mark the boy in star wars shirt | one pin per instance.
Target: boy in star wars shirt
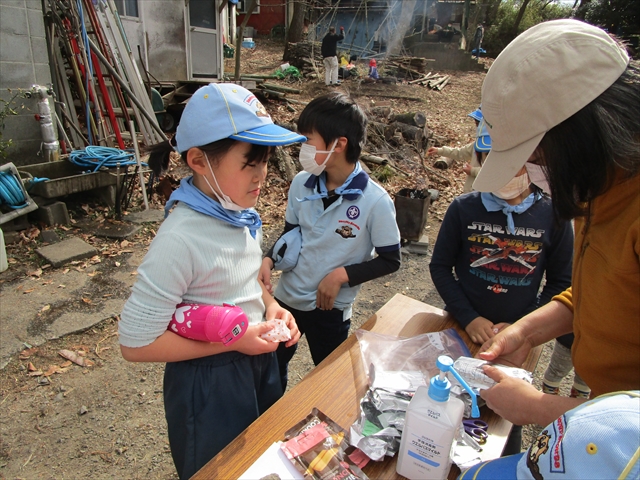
(344, 220)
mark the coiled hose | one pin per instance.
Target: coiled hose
(95, 157)
(11, 193)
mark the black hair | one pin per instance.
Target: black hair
(159, 153)
(336, 115)
(587, 153)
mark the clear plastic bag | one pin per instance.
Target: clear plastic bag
(396, 367)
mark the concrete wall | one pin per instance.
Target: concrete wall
(165, 45)
(24, 62)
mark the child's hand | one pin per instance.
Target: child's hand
(480, 330)
(432, 151)
(467, 168)
(274, 310)
(264, 275)
(252, 344)
(329, 288)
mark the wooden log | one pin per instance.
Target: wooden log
(443, 163)
(383, 112)
(280, 88)
(417, 119)
(410, 133)
(443, 84)
(373, 159)
(377, 128)
(273, 94)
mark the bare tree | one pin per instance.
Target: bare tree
(516, 24)
(296, 28)
(251, 7)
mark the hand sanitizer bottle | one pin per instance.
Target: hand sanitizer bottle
(430, 425)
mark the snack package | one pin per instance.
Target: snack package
(319, 449)
(280, 333)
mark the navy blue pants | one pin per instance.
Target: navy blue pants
(209, 401)
(325, 330)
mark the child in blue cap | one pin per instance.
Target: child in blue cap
(492, 253)
(208, 252)
(343, 220)
(468, 154)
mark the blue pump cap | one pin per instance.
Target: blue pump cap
(439, 386)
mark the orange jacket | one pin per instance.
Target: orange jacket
(605, 293)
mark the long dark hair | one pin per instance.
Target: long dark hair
(159, 154)
(586, 153)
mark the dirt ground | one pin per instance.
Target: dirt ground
(59, 420)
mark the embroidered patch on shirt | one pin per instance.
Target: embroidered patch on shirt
(345, 232)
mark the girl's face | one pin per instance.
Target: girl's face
(237, 178)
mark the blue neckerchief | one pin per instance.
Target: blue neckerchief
(494, 204)
(357, 179)
(198, 201)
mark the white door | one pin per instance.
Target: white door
(205, 47)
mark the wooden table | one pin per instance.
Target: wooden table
(336, 387)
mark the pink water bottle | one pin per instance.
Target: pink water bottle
(209, 323)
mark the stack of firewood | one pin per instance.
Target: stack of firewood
(435, 81)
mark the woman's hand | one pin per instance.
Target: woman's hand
(467, 168)
(274, 311)
(480, 330)
(509, 347)
(432, 151)
(511, 398)
(521, 403)
(264, 275)
(329, 288)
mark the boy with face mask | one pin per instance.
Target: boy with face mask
(492, 252)
(337, 219)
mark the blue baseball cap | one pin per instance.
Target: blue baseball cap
(483, 140)
(476, 115)
(598, 439)
(226, 110)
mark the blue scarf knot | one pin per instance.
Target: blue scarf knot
(341, 190)
(494, 204)
(198, 201)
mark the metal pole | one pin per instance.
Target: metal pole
(140, 175)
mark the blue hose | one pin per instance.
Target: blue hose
(93, 157)
(11, 193)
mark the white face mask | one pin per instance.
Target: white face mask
(538, 176)
(308, 158)
(514, 188)
(224, 200)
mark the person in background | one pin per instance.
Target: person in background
(583, 129)
(329, 50)
(337, 219)
(471, 154)
(207, 251)
(373, 70)
(477, 39)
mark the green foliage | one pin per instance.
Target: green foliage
(291, 72)
(620, 17)
(7, 109)
(498, 35)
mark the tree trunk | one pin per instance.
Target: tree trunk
(516, 24)
(252, 6)
(296, 28)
